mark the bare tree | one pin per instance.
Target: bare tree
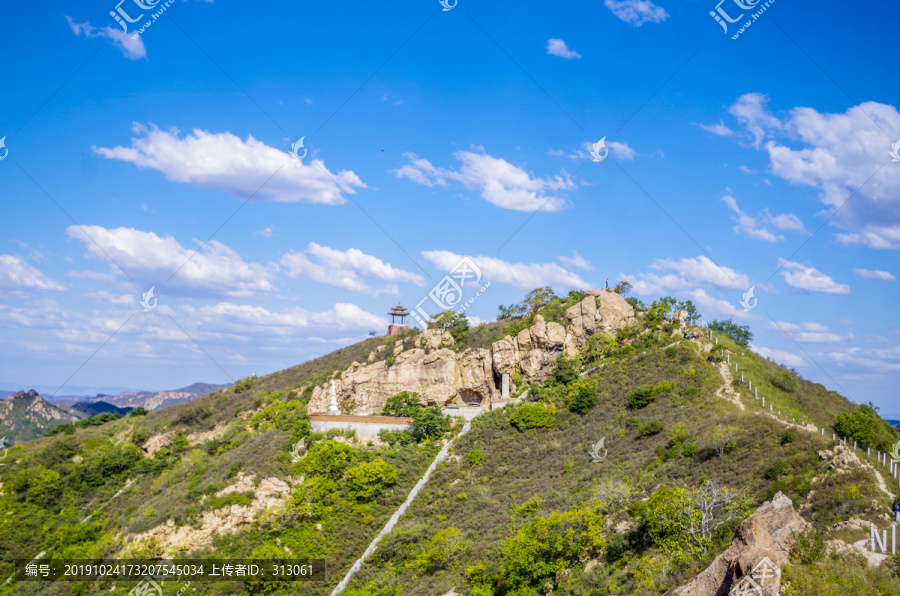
(721, 438)
(703, 510)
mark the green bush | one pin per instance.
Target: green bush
(243, 384)
(740, 334)
(37, 485)
(429, 423)
(548, 544)
(139, 411)
(475, 457)
(690, 450)
(787, 437)
(567, 369)
(778, 469)
(328, 458)
(663, 387)
(366, 481)
(193, 414)
(785, 381)
(533, 416)
(640, 398)
(530, 506)
(583, 396)
(632, 422)
(653, 427)
(443, 551)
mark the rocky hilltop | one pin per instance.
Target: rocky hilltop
(443, 376)
(26, 415)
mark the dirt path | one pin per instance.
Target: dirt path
(726, 391)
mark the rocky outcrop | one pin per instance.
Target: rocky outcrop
(443, 376)
(270, 495)
(26, 415)
(767, 533)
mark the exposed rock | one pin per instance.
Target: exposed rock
(858, 548)
(443, 376)
(766, 533)
(204, 436)
(680, 317)
(156, 443)
(271, 494)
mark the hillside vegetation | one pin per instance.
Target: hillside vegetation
(519, 507)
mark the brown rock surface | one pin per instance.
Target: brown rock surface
(766, 533)
(443, 376)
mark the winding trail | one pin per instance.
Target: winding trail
(726, 391)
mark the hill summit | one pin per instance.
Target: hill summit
(636, 453)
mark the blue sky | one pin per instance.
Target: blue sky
(433, 135)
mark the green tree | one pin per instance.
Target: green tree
(404, 403)
(442, 551)
(683, 521)
(693, 314)
(659, 310)
(456, 324)
(865, 426)
(622, 288)
(429, 423)
(549, 544)
(366, 481)
(138, 411)
(740, 334)
(537, 298)
(510, 312)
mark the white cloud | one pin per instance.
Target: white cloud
(216, 269)
(576, 261)
(345, 269)
(717, 129)
(746, 170)
(132, 48)
(779, 356)
(807, 277)
(500, 182)
(245, 320)
(689, 275)
(838, 154)
(241, 168)
(808, 332)
(754, 227)
(875, 274)
(620, 150)
(17, 275)
(519, 275)
(117, 299)
(751, 110)
(265, 233)
(637, 12)
(557, 47)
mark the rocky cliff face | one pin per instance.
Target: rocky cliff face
(442, 376)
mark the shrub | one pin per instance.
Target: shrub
(809, 547)
(404, 403)
(785, 381)
(653, 427)
(328, 458)
(533, 416)
(663, 387)
(193, 414)
(583, 396)
(140, 436)
(671, 352)
(243, 384)
(475, 457)
(366, 481)
(640, 398)
(547, 544)
(678, 434)
(443, 551)
(139, 411)
(37, 485)
(567, 369)
(787, 437)
(530, 506)
(776, 470)
(690, 449)
(632, 422)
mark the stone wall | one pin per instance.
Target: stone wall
(442, 376)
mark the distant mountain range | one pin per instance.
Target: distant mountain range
(26, 415)
(894, 423)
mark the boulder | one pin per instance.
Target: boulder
(767, 533)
